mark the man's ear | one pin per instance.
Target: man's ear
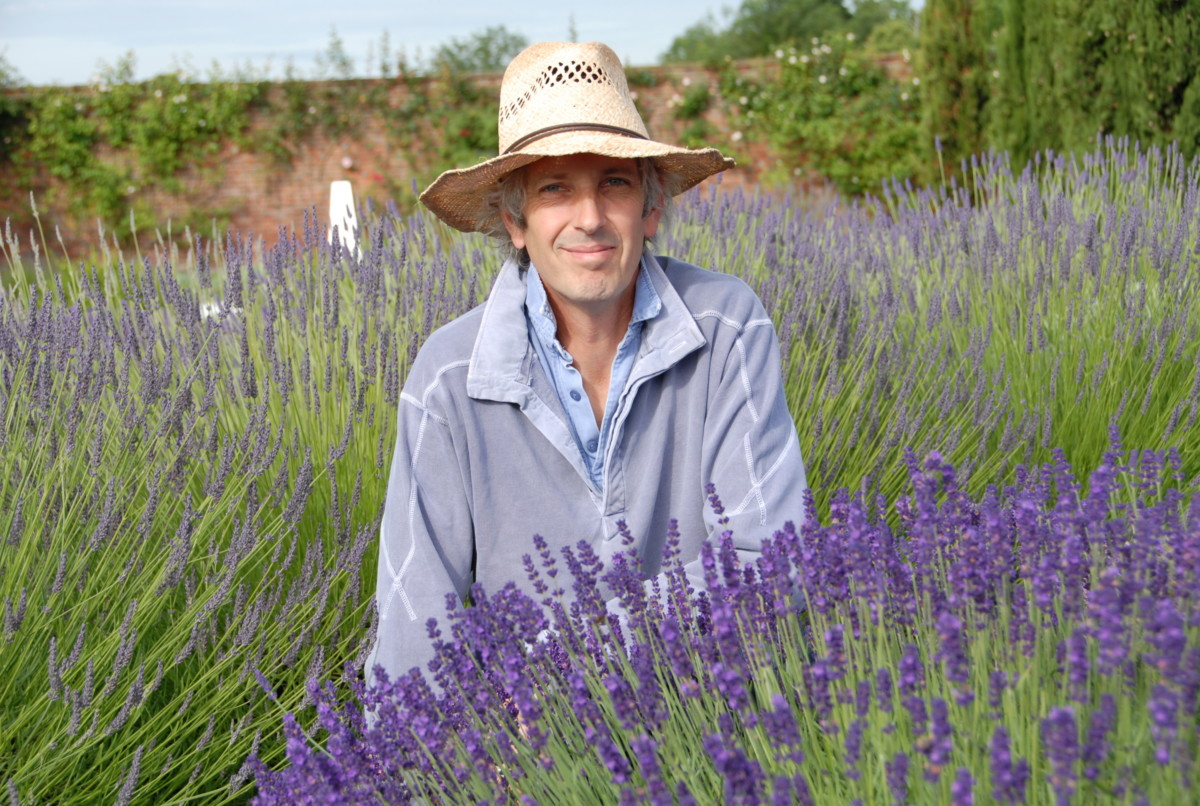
(651, 220)
(515, 232)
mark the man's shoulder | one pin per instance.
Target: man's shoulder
(457, 335)
(708, 293)
(446, 349)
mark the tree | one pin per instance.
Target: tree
(13, 108)
(9, 76)
(884, 26)
(757, 28)
(486, 51)
(702, 42)
(761, 25)
(1071, 71)
(866, 16)
(954, 66)
(335, 62)
(1038, 62)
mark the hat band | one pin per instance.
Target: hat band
(571, 127)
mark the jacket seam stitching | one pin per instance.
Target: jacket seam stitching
(755, 492)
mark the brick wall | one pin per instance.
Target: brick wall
(260, 194)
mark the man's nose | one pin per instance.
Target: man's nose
(589, 215)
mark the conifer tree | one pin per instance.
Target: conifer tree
(1071, 71)
(954, 68)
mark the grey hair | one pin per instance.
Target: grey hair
(508, 197)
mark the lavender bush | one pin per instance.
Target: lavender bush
(193, 447)
(1037, 645)
(192, 472)
(988, 325)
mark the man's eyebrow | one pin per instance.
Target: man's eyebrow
(559, 175)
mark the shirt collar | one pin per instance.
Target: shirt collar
(502, 358)
(646, 304)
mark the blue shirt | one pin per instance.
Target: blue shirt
(566, 380)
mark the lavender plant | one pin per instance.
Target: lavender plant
(1035, 645)
(191, 469)
(193, 446)
(989, 325)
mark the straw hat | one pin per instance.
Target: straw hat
(560, 98)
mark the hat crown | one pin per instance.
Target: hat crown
(553, 85)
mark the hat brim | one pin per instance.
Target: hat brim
(459, 196)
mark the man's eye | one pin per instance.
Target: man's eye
(618, 181)
(550, 188)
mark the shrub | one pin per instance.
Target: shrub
(833, 111)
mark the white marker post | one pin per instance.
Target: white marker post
(343, 214)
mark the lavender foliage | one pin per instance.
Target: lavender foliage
(208, 433)
(541, 715)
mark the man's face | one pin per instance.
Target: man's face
(584, 228)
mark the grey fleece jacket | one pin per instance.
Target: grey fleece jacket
(485, 459)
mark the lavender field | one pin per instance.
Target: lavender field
(996, 392)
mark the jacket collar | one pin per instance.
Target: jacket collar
(503, 360)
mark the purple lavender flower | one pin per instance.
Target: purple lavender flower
(1009, 779)
(954, 657)
(997, 683)
(897, 777)
(1021, 629)
(623, 700)
(1164, 710)
(1047, 587)
(917, 710)
(781, 791)
(883, 689)
(779, 722)
(835, 641)
(1107, 613)
(1165, 633)
(862, 699)
(678, 655)
(614, 760)
(854, 736)
(818, 677)
(1096, 751)
(743, 777)
(716, 649)
(962, 790)
(1078, 665)
(940, 742)
(1060, 735)
(730, 683)
(645, 750)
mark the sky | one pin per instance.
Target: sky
(63, 41)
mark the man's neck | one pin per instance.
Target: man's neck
(592, 336)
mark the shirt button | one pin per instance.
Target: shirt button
(574, 395)
(592, 446)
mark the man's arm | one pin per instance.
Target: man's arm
(751, 454)
(751, 451)
(426, 540)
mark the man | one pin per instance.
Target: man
(598, 385)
